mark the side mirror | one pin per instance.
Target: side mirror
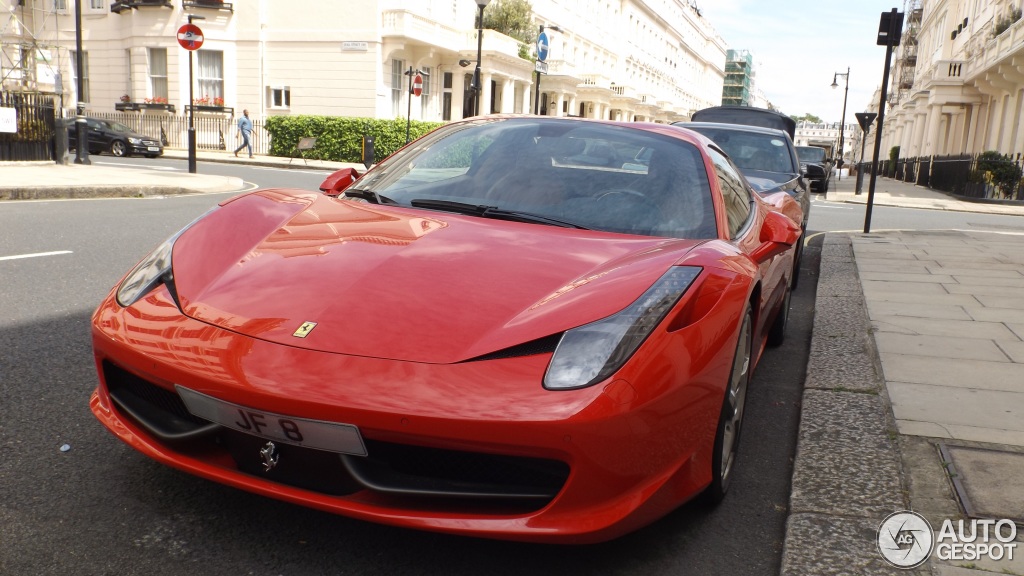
(778, 233)
(338, 181)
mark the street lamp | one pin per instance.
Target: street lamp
(536, 96)
(191, 108)
(842, 127)
(479, 55)
(81, 134)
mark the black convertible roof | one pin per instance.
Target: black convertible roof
(747, 115)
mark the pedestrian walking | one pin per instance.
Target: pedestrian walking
(245, 131)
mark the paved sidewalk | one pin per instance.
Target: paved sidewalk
(889, 192)
(46, 180)
(914, 398)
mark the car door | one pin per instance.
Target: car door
(99, 135)
(744, 223)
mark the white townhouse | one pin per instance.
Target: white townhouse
(634, 60)
(958, 81)
(826, 135)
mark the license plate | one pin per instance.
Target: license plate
(329, 436)
(154, 148)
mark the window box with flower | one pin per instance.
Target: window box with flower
(213, 104)
(157, 103)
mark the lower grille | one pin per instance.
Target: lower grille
(160, 410)
(397, 475)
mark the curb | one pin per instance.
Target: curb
(78, 192)
(847, 473)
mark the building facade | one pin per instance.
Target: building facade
(826, 135)
(958, 81)
(633, 60)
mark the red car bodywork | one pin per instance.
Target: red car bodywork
(411, 306)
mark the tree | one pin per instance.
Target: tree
(808, 117)
(512, 18)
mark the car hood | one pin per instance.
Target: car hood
(403, 283)
(767, 182)
(136, 135)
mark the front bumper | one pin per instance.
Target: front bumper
(569, 466)
(147, 147)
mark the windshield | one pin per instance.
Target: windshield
(582, 174)
(118, 127)
(757, 151)
(810, 154)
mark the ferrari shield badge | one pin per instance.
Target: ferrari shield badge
(304, 330)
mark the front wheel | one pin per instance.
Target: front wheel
(730, 421)
(777, 333)
(118, 148)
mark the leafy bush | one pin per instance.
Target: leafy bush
(894, 154)
(1001, 171)
(1003, 24)
(341, 138)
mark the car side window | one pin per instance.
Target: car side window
(734, 192)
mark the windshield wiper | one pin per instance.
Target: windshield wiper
(517, 216)
(368, 195)
(486, 211)
(451, 206)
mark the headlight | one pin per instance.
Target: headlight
(591, 353)
(135, 141)
(152, 271)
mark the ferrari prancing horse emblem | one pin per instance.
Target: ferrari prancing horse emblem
(304, 330)
(269, 455)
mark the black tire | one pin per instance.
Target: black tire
(777, 333)
(798, 258)
(119, 148)
(730, 420)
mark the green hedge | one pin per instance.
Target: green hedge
(341, 139)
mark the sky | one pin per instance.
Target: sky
(797, 46)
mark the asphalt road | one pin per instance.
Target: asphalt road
(842, 217)
(100, 508)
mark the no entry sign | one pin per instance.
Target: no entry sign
(417, 85)
(190, 37)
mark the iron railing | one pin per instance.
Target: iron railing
(973, 176)
(34, 114)
(212, 132)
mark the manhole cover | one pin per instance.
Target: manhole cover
(989, 483)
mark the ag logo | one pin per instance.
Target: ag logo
(905, 539)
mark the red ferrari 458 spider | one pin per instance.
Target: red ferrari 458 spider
(525, 328)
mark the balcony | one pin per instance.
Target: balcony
(1009, 43)
(560, 68)
(120, 5)
(413, 27)
(210, 4)
(950, 71)
(596, 81)
(623, 92)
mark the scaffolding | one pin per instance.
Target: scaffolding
(739, 77)
(906, 62)
(29, 53)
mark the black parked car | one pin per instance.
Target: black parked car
(116, 138)
(817, 165)
(760, 143)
